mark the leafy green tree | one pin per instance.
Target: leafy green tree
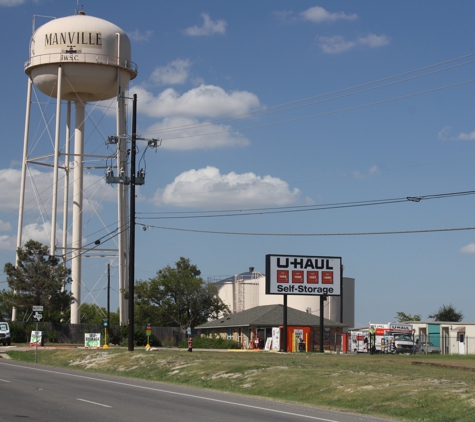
(92, 313)
(403, 317)
(178, 296)
(447, 313)
(37, 279)
(5, 311)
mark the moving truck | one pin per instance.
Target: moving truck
(384, 338)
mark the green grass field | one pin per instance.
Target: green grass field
(439, 388)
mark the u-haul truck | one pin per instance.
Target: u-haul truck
(360, 341)
(384, 338)
(392, 338)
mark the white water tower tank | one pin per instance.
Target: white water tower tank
(93, 54)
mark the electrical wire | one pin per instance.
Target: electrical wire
(285, 106)
(328, 113)
(303, 208)
(310, 234)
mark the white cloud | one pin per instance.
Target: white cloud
(374, 41)
(10, 192)
(318, 14)
(138, 36)
(7, 243)
(38, 190)
(39, 232)
(175, 72)
(5, 226)
(371, 171)
(208, 188)
(469, 249)
(335, 45)
(466, 136)
(203, 101)
(182, 133)
(444, 135)
(11, 3)
(338, 44)
(209, 27)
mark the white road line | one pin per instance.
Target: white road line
(172, 392)
(93, 402)
(4, 380)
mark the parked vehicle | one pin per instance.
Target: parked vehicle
(360, 341)
(384, 338)
(392, 338)
(431, 347)
(5, 337)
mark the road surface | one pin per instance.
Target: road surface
(40, 393)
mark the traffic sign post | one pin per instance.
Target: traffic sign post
(148, 333)
(37, 316)
(105, 324)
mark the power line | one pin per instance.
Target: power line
(273, 109)
(328, 113)
(301, 208)
(312, 234)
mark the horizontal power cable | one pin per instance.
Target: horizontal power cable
(279, 108)
(310, 234)
(301, 208)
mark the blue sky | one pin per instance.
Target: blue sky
(271, 104)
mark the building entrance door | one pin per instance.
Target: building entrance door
(461, 341)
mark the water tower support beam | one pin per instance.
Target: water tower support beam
(23, 176)
(122, 202)
(54, 209)
(66, 187)
(77, 211)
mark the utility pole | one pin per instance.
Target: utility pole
(132, 228)
(136, 178)
(108, 292)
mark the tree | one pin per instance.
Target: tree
(5, 311)
(93, 314)
(38, 279)
(447, 313)
(403, 317)
(177, 296)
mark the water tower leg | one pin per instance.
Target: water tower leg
(54, 210)
(122, 210)
(66, 188)
(77, 212)
(23, 176)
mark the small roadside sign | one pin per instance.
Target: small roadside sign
(37, 313)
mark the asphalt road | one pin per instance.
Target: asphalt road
(39, 393)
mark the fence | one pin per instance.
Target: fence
(74, 333)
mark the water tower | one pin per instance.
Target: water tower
(76, 60)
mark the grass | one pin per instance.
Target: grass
(379, 385)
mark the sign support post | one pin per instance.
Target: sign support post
(37, 316)
(285, 324)
(322, 328)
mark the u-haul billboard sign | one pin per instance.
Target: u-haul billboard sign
(303, 275)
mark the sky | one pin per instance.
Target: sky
(297, 128)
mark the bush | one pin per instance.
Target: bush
(20, 332)
(211, 343)
(140, 338)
